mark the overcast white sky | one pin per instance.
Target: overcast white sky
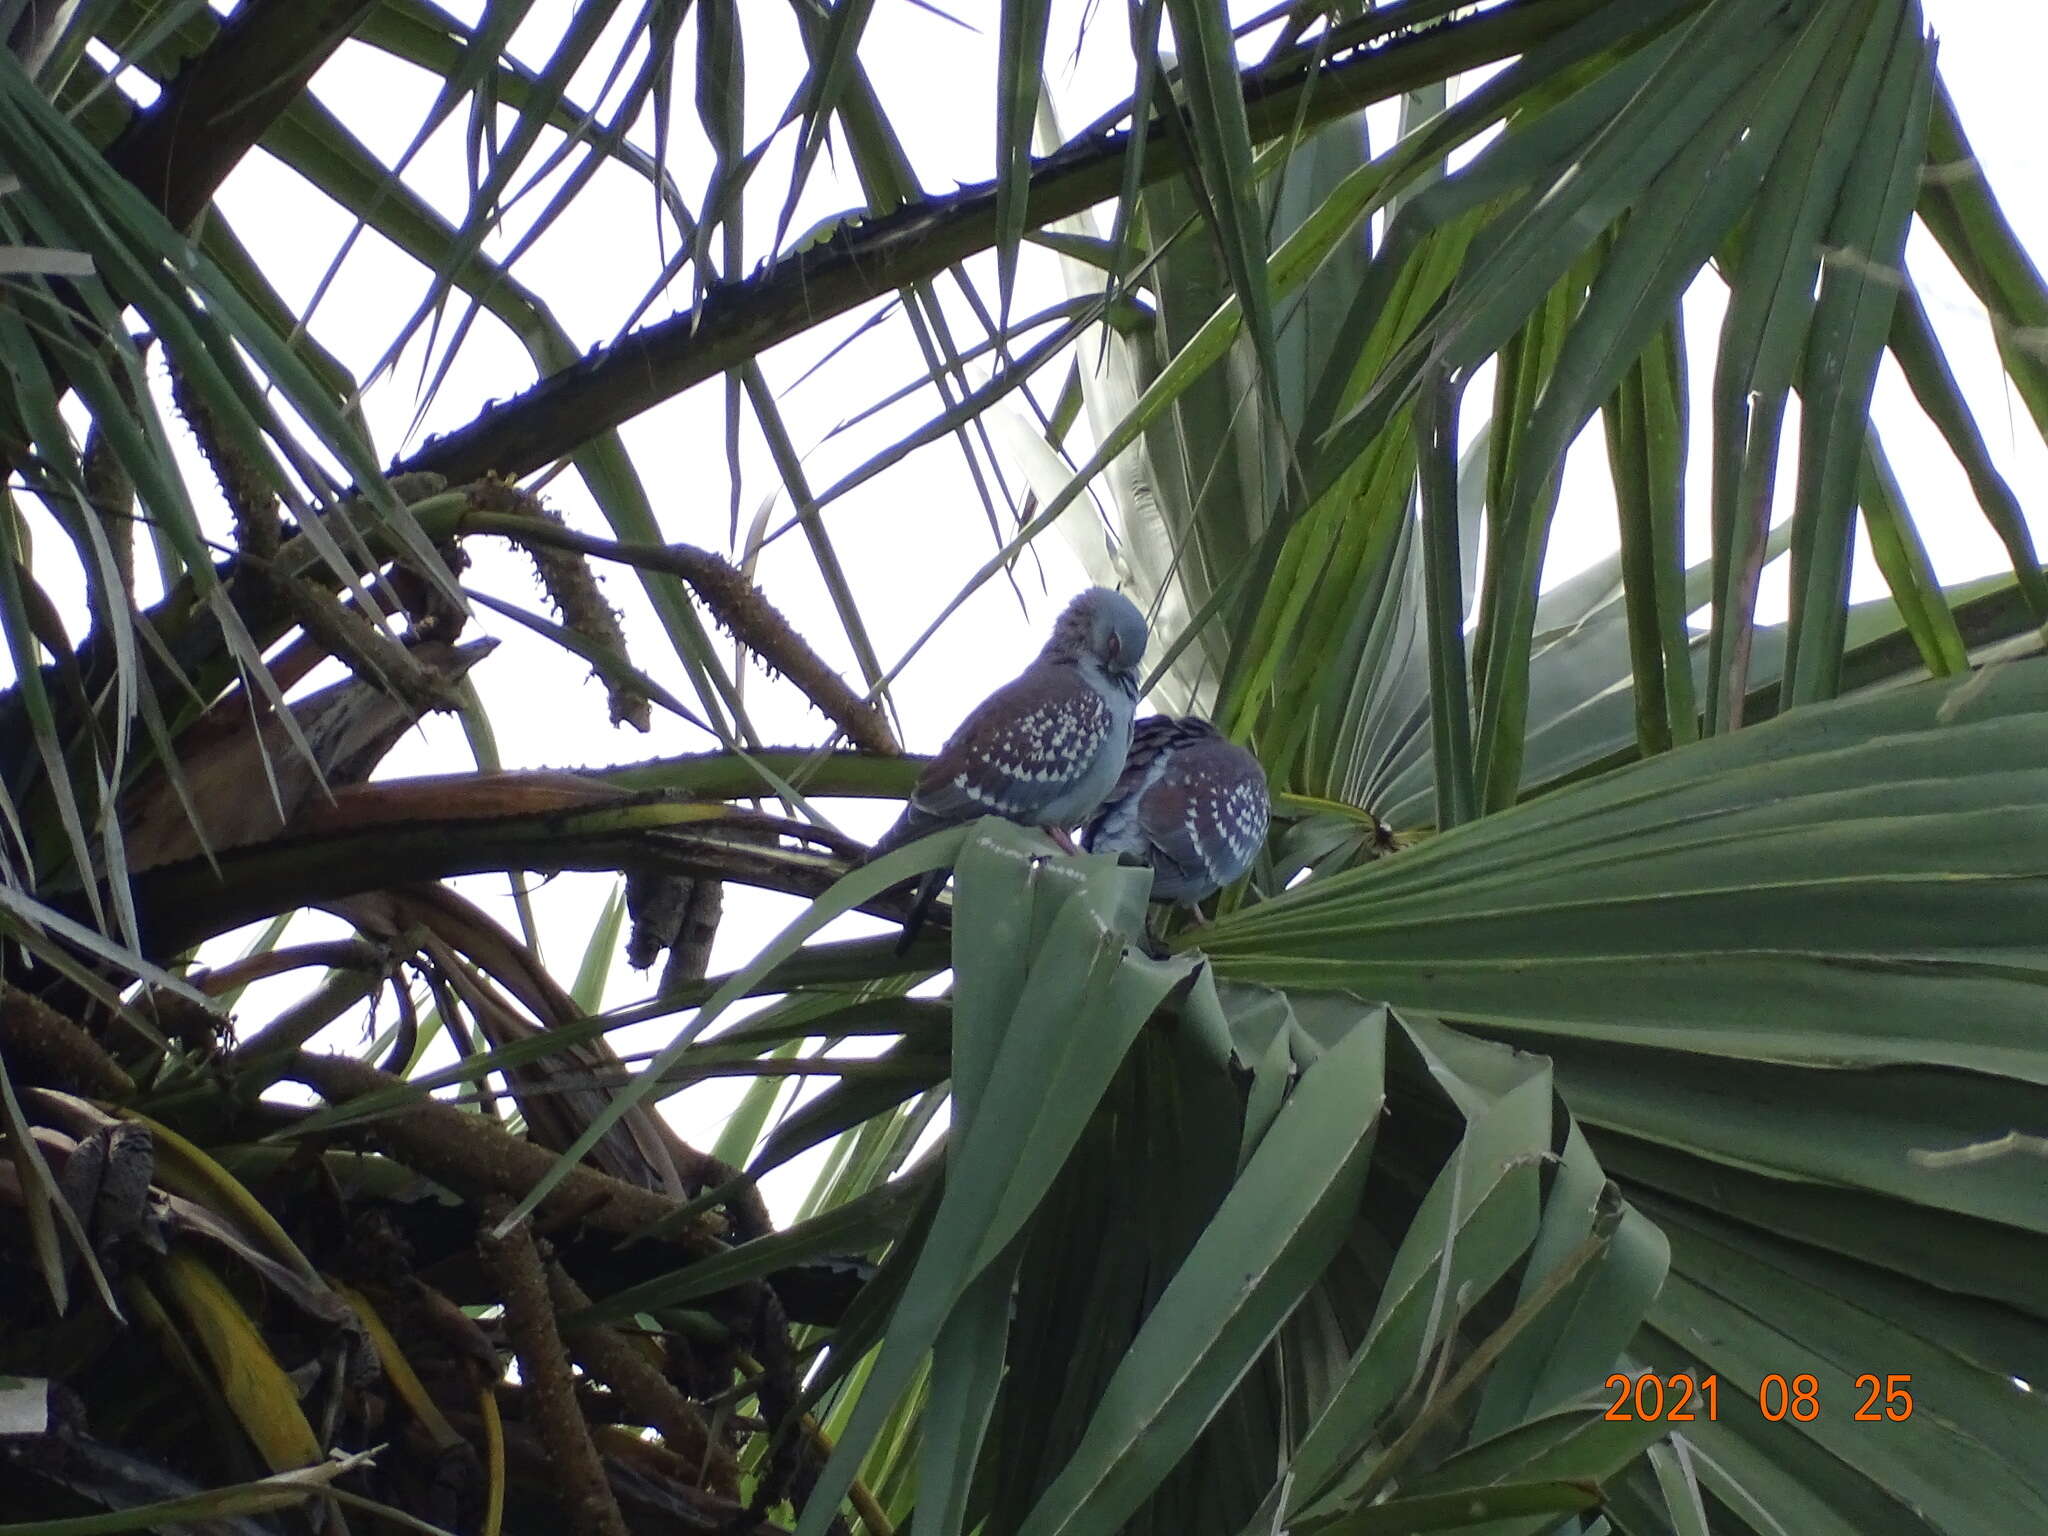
(919, 528)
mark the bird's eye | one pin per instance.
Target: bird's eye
(1114, 648)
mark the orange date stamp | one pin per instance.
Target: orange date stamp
(1684, 1399)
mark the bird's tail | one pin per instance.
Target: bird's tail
(928, 889)
(909, 827)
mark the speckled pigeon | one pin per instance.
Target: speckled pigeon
(1189, 803)
(1044, 748)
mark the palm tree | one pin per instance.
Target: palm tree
(1612, 1102)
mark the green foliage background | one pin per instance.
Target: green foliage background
(1629, 986)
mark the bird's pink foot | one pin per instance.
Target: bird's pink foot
(1064, 839)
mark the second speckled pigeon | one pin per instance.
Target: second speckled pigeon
(1189, 803)
(1044, 748)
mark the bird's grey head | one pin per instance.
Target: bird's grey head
(1103, 625)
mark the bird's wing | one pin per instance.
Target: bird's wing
(1019, 750)
(1208, 811)
(1149, 737)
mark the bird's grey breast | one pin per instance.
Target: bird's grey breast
(1119, 826)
